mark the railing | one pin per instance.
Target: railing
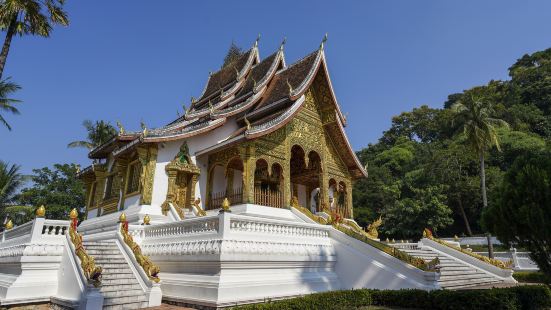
(21, 230)
(188, 227)
(521, 260)
(235, 196)
(87, 263)
(55, 227)
(267, 197)
(405, 246)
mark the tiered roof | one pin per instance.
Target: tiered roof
(261, 95)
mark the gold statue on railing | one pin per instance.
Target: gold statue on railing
(91, 271)
(151, 270)
(372, 228)
(198, 209)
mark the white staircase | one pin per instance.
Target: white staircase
(454, 274)
(120, 288)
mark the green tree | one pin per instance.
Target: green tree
(97, 134)
(474, 111)
(28, 17)
(522, 213)
(58, 189)
(234, 52)
(10, 181)
(7, 88)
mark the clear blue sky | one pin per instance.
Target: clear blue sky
(133, 60)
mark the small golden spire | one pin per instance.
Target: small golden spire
(247, 122)
(121, 129)
(146, 219)
(41, 211)
(9, 225)
(226, 204)
(211, 108)
(122, 218)
(290, 87)
(323, 41)
(144, 128)
(193, 100)
(74, 214)
(283, 43)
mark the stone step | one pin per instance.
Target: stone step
(122, 293)
(132, 305)
(100, 260)
(132, 297)
(467, 283)
(472, 276)
(101, 247)
(112, 265)
(112, 276)
(102, 252)
(465, 270)
(110, 270)
(119, 287)
(109, 280)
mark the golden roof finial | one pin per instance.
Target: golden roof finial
(74, 214)
(41, 211)
(290, 87)
(121, 129)
(211, 108)
(122, 217)
(193, 100)
(146, 219)
(247, 122)
(323, 41)
(144, 128)
(9, 225)
(283, 43)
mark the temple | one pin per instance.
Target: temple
(262, 132)
(245, 198)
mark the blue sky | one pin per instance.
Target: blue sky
(133, 60)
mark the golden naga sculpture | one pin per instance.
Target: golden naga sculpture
(372, 228)
(295, 204)
(198, 209)
(91, 271)
(9, 225)
(151, 270)
(41, 211)
(427, 233)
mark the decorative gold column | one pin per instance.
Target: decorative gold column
(171, 191)
(119, 181)
(229, 181)
(324, 187)
(287, 190)
(148, 159)
(249, 164)
(101, 176)
(349, 198)
(191, 196)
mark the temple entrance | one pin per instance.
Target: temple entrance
(226, 182)
(268, 190)
(305, 178)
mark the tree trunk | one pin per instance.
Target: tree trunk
(7, 43)
(483, 181)
(490, 246)
(464, 215)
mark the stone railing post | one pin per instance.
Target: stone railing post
(516, 263)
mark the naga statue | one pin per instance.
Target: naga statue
(372, 228)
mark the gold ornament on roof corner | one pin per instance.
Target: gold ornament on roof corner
(9, 225)
(290, 86)
(122, 218)
(211, 108)
(247, 122)
(372, 228)
(147, 219)
(144, 129)
(323, 41)
(41, 211)
(121, 129)
(74, 214)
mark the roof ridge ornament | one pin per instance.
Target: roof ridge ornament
(257, 39)
(144, 128)
(121, 129)
(323, 41)
(211, 108)
(282, 43)
(290, 87)
(247, 122)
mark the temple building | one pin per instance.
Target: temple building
(245, 198)
(261, 132)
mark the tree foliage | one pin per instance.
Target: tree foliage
(10, 182)
(7, 104)
(58, 189)
(522, 212)
(97, 133)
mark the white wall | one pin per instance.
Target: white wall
(132, 201)
(237, 179)
(219, 180)
(169, 150)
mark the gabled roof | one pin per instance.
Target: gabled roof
(262, 95)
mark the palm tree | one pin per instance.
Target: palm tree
(34, 17)
(10, 181)
(474, 111)
(6, 104)
(98, 134)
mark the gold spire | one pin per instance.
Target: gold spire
(121, 129)
(247, 122)
(290, 87)
(323, 41)
(211, 108)
(146, 219)
(74, 214)
(9, 225)
(41, 211)
(122, 218)
(226, 204)
(144, 128)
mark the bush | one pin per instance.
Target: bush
(531, 277)
(529, 297)
(350, 299)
